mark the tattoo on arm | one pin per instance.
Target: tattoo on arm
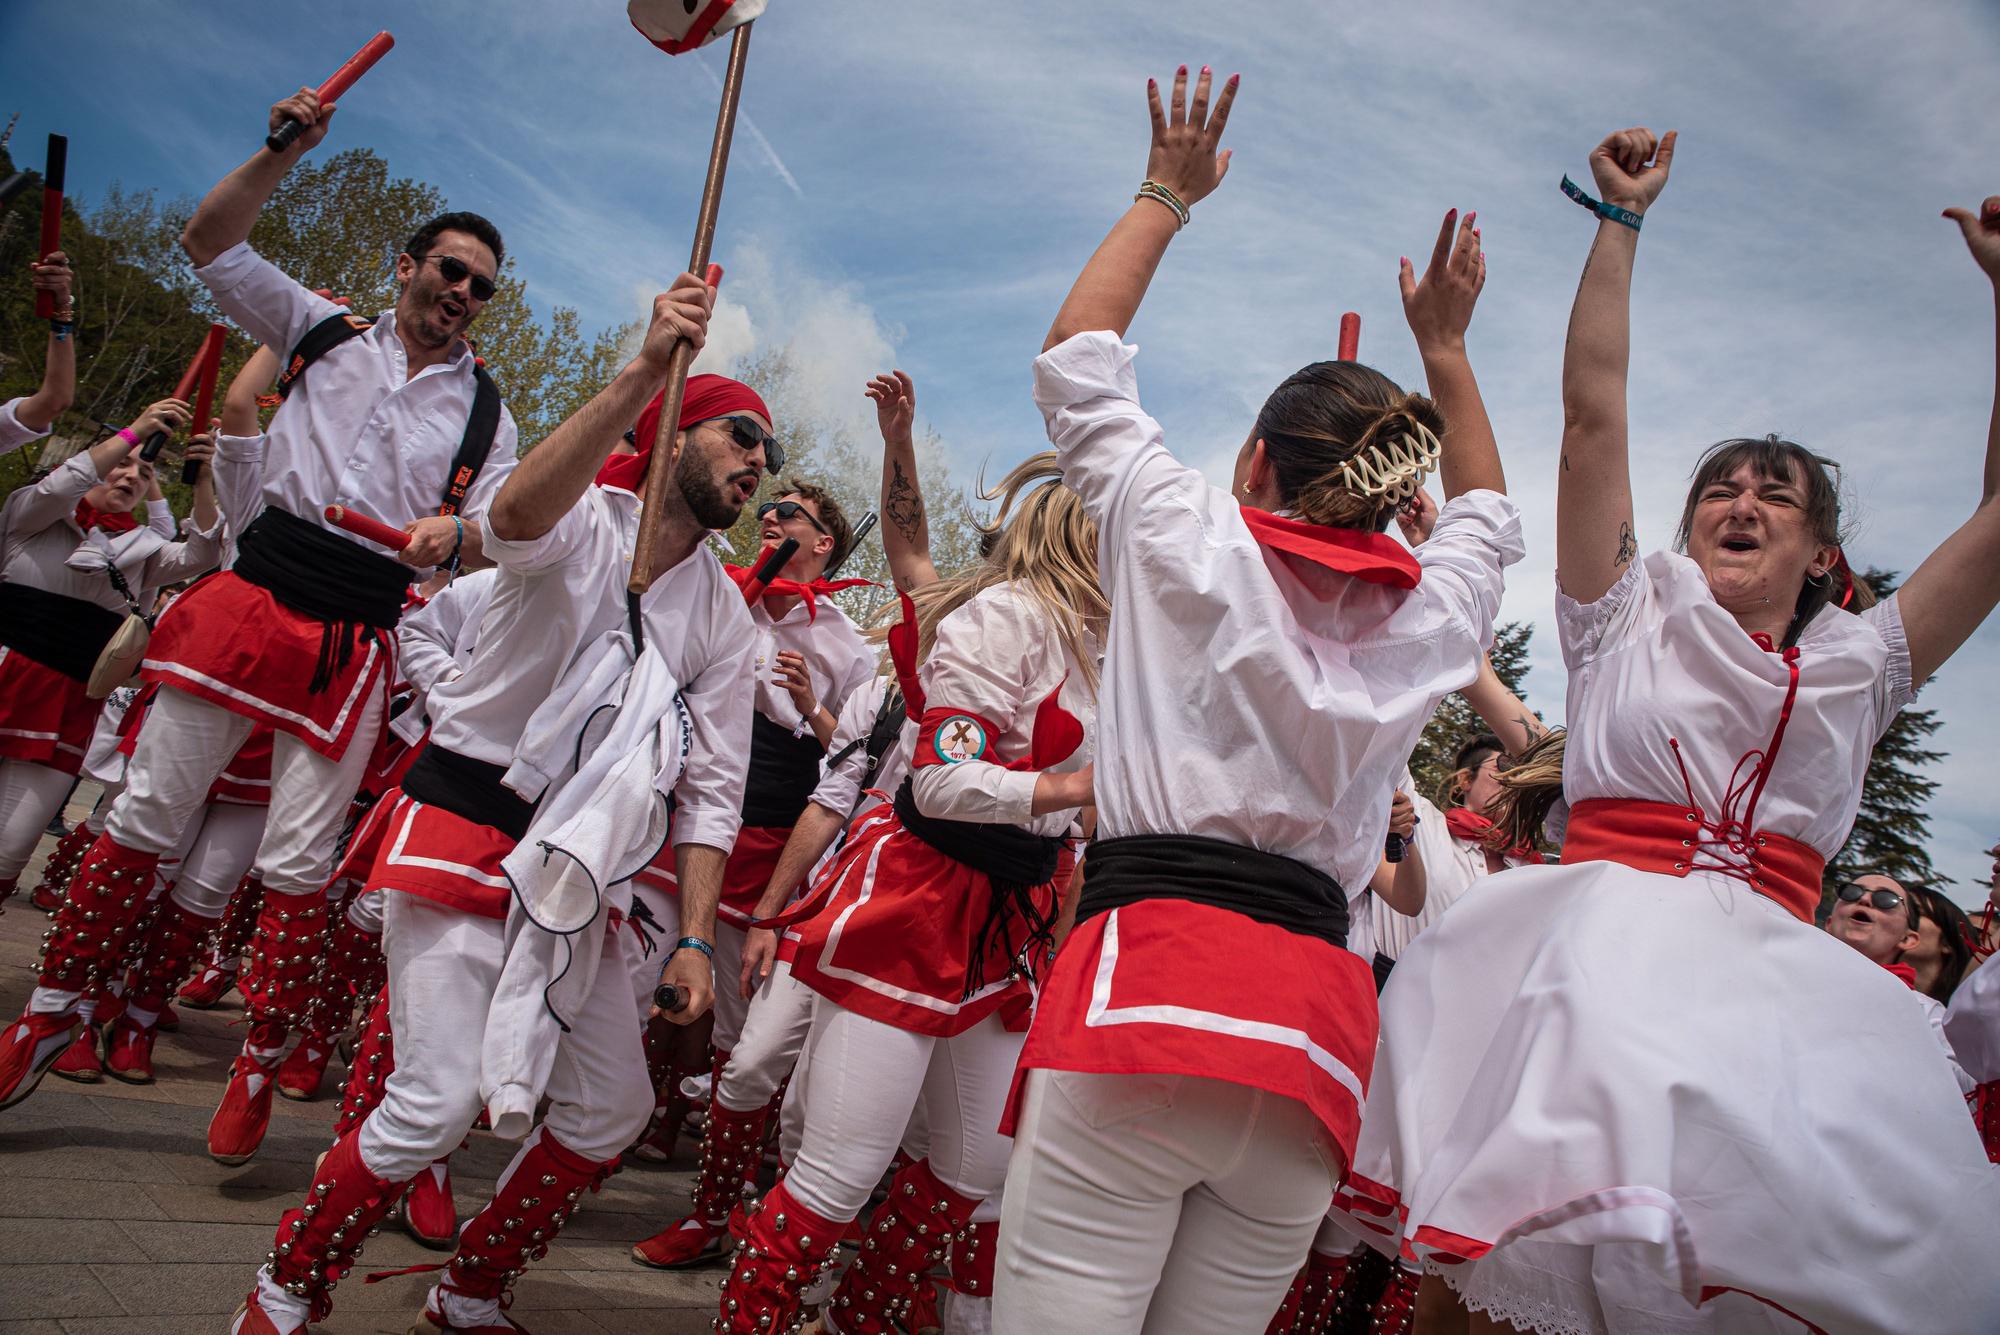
(1628, 546)
(1565, 460)
(905, 507)
(1531, 725)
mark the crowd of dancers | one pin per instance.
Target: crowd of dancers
(1034, 930)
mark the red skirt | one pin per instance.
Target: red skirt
(45, 718)
(745, 876)
(1175, 988)
(889, 933)
(229, 642)
(429, 852)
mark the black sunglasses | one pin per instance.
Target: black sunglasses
(1886, 900)
(456, 270)
(790, 510)
(749, 435)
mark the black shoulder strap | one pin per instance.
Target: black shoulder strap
(319, 340)
(481, 424)
(888, 725)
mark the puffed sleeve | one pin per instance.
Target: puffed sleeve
(979, 670)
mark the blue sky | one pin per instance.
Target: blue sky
(916, 184)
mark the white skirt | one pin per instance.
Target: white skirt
(1608, 1101)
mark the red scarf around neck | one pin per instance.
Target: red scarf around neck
(1375, 557)
(89, 517)
(1473, 828)
(790, 588)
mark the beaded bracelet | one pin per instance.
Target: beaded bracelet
(1153, 190)
(1600, 208)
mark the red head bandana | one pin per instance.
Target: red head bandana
(707, 396)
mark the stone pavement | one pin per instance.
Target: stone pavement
(114, 1220)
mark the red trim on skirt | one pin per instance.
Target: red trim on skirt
(45, 717)
(231, 643)
(428, 852)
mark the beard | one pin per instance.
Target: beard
(711, 502)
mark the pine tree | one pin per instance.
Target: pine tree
(1892, 829)
(1455, 723)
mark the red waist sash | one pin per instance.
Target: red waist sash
(1675, 840)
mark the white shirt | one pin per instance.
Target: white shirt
(1250, 696)
(837, 659)
(239, 484)
(14, 433)
(998, 657)
(435, 642)
(42, 533)
(557, 594)
(1661, 674)
(1934, 1011)
(1451, 866)
(1972, 1022)
(357, 430)
(840, 788)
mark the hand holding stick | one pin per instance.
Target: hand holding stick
(361, 526)
(329, 92)
(209, 352)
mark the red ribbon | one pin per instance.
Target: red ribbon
(1375, 557)
(89, 517)
(903, 638)
(791, 588)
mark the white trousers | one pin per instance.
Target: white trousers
(866, 1078)
(774, 1033)
(443, 968)
(218, 858)
(182, 748)
(30, 797)
(1162, 1204)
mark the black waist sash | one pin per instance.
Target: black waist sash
(1016, 863)
(55, 630)
(325, 577)
(469, 789)
(1265, 887)
(783, 772)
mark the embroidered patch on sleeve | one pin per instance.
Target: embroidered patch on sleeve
(960, 738)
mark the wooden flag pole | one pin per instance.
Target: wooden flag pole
(645, 556)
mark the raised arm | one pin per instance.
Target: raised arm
(906, 536)
(1185, 161)
(1945, 599)
(1503, 711)
(239, 401)
(553, 475)
(228, 212)
(1594, 538)
(38, 411)
(1439, 308)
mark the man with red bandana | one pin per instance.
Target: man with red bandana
(563, 548)
(391, 419)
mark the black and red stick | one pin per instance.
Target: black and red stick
(768, 569)
(342, 79)
(52, 202)
(211, 349)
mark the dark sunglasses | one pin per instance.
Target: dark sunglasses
(456, 270)
(1886, 900)
(790, 510)
(749, 435)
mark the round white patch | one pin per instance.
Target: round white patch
(960, 737)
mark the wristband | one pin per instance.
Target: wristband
(60, 329)
(1153, 190)
(457, 545)
(125, 433)
(695, 943)
(1600, 208)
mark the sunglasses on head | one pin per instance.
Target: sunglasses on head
(790, 510)
(456, 270)
(1886, 900)
(749, 435)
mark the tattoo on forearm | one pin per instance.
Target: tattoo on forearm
(905, 506)
(1565, 460)
(1530, 725)
(1628, 546)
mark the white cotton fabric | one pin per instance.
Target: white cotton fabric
(1307, 687)
(14, 433)
(1972, 1023)
(357, 429)
(46, 550)
(1637, 1085)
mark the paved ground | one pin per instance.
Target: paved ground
(114, 1220)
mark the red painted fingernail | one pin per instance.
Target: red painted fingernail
(1406, 261)
(1205, 70)
(1183, 69)
(1234, 77)
(1472, 217)
(1152, 83)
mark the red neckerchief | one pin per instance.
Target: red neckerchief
(89, 517)
(1904, 972)
(791, 588)
(1469, 825)
(1375, 557)
(903, 638)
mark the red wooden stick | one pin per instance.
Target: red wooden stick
(339, 82)
(204, 391)
(211, 346)
(361, 526)
(1350, 336)
(52, 201)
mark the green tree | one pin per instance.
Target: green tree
(1892, 829)
(1454, 723)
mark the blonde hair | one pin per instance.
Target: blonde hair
(1041, 540)
(1529, 789)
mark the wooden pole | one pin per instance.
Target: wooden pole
(646, 556)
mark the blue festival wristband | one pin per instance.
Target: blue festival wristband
(1600, 208)
(694, 943)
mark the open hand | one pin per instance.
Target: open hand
(1440, 306)
(1982, 234)
(895, 404)
(303, 107)
(1631, 167)
(1184, 157)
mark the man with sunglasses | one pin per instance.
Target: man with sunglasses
(1878, 918)
(390, 418)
